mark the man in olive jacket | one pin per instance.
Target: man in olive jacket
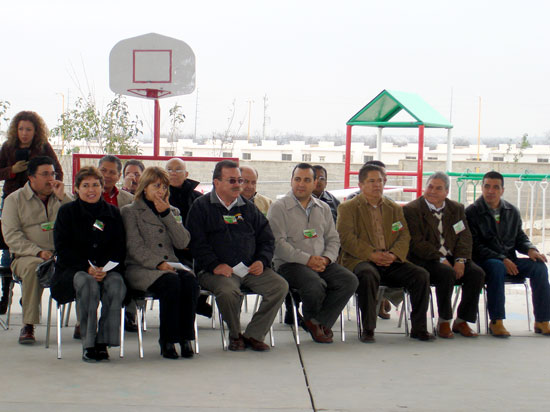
(375, 242)
(442, 244)
(27, 224)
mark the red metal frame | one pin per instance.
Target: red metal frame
(78, 156)
(419, 170)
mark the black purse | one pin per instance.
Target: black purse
(45, 271)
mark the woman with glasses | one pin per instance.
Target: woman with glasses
(154, 229)
(27, 138)
(88, 235)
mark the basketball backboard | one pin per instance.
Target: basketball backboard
(152, 66)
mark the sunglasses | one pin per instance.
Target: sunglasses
(233, 180)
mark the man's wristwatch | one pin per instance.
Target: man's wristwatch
(460, 260)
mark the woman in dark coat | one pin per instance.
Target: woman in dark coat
(154, 229)
(27, 138)
(88, 234)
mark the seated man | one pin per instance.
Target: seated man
(250, 179)
(111, 168)
(232, 244)
(27, 224)
(320, 193)
(306, 249)
(182, 196)
(497, 234)
(375, 242)
(441, 243)
(131, 173)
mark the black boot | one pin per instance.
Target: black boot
(187, 349)
(168, 350)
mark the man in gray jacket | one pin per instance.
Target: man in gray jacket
(27, 224)
(306, 248)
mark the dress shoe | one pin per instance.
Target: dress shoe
(444, 331)
(76, 333)
(367, 336)
(204, 308)
(385, 307)
(236, 344)
(464, 329)
(327, 331)
(89, 355)
(168, 350)
(3, 306)
(542, 327)
(129, 323)
(26, 336)
(316, 332)
(101, 352)
(423, 335)
(255, 344)
(187, 349)
(497, 329)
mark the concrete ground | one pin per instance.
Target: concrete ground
(396, 373)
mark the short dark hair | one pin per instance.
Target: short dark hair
(319, 167)
(133, 162)
(493, 175)
(112, 159)
(88, 171)
(364, 171)
(224, 164)
(376, 163)
(304, 166)
(37, 161)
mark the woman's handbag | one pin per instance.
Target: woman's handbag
(45, 271)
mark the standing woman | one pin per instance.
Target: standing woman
(27, 138)
(88, 233)
(154, 229)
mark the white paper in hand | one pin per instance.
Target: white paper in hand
(108, 266)
(240, 270)
(180, 266)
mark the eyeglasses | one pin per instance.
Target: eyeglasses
(178, 171)
(233, 180)
(46, 174)
(159, 186)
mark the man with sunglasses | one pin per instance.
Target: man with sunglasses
(233, 245)
(320, 193)
(27, 225)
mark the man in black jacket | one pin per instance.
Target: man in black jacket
(233, 245)
(497, 234)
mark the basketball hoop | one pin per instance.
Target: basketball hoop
(150, 93)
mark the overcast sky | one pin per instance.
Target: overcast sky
(318, 62)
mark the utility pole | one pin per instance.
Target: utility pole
(196, 112)
(265, 116)
(479, 129)
(249, 110)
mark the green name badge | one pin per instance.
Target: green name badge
(459, 227)
(497, 217)
(46, 227)
(178, 219)
(99, 225)
(397, 226)
(230, 220)
(310, 233)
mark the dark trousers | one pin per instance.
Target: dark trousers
(443, 277)
(414, 279)
(178, 295)
(323, 294)
(6, 281)
(537, 272)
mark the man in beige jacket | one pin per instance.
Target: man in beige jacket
(27, 224)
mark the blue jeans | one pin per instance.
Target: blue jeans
(537, 272)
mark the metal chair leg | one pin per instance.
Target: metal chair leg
(294, 312)
(144, 314)
(271, 336)
(359, 321)
(213, 304)
(196, 337)
(432, 311)
(122, 310)
(527, 293)
(140, 330)
(48, 325)
(486, 310)
(68, 314)
(342, 331)
(59, 322)
(222, 331)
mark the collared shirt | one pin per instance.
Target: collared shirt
(375, 213)
(233, 203)
(433, 208)
(111, 198)
(308, 207)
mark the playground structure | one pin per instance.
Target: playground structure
(379, 113)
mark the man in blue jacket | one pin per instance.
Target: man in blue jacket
(232, 245)
(497, 234)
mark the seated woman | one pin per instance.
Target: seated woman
(88, 233)
(154, 229)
